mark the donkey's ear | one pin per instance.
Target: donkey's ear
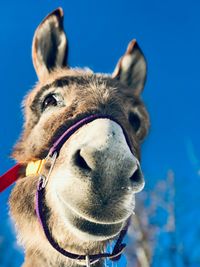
(49, 49)
(131, 68)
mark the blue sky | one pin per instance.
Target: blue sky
(98, 32)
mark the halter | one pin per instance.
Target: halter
(37, 168)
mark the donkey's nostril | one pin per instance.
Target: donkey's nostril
(80, 161)
(137, 177)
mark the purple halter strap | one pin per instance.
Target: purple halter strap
(40, 195)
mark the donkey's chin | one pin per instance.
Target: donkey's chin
(87, 227)
(92, 231)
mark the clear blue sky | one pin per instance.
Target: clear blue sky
(98, 32)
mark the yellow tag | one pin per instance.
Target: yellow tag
(34, 167)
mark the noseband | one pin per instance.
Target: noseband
(40, 195)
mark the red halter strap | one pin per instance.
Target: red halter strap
(9, 177)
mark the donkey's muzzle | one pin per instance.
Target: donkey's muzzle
(96, 174)
(100, 152)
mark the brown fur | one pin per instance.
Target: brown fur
(86, 93)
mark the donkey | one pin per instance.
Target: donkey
(85, 194)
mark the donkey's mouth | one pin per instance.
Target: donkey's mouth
(97, 231)
(90, 227)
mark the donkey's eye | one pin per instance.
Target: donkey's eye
(50, 100)
(134, 120)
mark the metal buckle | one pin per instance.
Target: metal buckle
(43, 180)
(87, 260)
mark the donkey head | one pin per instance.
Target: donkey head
(90, 192)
